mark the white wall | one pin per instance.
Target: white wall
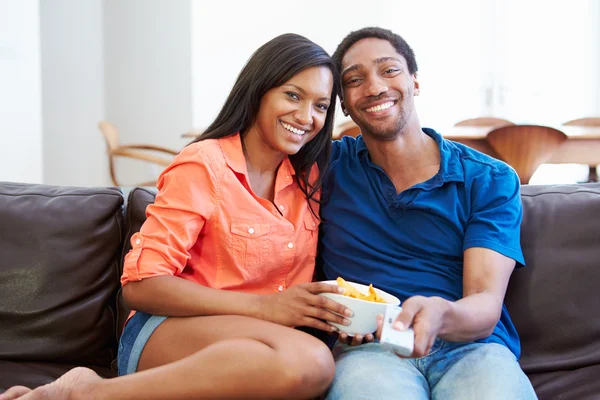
(226, 33)
(73, 92)
(148, 75)
(20, 92)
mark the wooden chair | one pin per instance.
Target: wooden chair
(484, 121)
(525, 147)
(143, 152)
(348, 128)
(591, 121)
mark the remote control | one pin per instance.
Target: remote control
(399, 342)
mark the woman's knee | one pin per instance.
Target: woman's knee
(308, 365)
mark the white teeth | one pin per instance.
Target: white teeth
(380, 107)
(292, 129)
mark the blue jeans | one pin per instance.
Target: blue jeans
(461, 371)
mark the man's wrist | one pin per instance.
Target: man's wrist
(446, 308)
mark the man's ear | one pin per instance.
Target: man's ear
(343, 108)
(417, 91)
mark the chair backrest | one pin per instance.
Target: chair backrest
(111, 135)
(484, 121)
(525, 147)
(142, 152)
(592, 121)
(348, 128)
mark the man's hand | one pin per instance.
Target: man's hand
(301, 305)
(425, 315)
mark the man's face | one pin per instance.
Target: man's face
(378, 89)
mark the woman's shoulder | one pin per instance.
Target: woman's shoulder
(205, 151)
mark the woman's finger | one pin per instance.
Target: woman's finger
(324, 314)
(318, 324)
(328, 304)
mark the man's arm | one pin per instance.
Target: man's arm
(486, 275)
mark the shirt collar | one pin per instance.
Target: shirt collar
(450, 166)
(235, 159)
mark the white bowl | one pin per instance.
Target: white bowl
(365, 312)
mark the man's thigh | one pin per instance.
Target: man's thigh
(369, 372)
(479, 371)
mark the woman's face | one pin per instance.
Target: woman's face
(292, 114)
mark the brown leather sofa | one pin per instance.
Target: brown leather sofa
(61, 250)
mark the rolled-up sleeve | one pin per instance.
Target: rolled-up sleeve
(185, 201)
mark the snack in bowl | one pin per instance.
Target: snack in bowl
(351, 291)
(365, 312)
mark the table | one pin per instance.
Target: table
(581, 147)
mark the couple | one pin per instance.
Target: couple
(221, 272)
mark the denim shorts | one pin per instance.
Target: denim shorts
(137, 331)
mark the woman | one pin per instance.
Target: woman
(228, 250)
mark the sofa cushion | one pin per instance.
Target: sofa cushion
(59, 273)
(34, 374)
(554, 300)
(579, 384)
(137, 201)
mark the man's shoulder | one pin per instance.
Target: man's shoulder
(476, 163)
(345, 147)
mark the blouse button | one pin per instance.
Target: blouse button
(280, 288)
(251, 231)
(138, 241)
(290, 245)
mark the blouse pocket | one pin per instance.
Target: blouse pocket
(250, 242)
(311, 234)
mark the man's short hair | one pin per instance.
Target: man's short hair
(378, 33)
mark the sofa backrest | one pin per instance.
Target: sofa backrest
(60, 250)
(137, 201)
(554, 301)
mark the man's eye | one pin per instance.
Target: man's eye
(293, 95)
(391, 70)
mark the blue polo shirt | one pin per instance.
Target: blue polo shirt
(412, 243)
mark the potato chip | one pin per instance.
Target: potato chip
(351, 291)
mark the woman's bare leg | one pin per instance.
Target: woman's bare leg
(220, 357)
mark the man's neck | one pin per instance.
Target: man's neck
(411, 158)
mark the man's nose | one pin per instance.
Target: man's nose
(375, 87)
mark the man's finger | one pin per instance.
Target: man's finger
(410, 308)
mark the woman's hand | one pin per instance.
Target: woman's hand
(356, 339)
(301, 305)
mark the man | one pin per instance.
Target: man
(431, 221)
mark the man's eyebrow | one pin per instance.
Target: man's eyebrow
(304, 92)
(377, 61)
(381, 60)
(351, 68)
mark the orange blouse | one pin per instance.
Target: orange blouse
(207, 226)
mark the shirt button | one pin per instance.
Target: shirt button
(280, 288)
(138, 241)
(251, 231)
(290, 245)
(281, 207)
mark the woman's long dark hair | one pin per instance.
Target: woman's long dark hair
(273, 64)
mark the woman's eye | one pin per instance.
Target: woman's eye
(323, 107)
(293, 95)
